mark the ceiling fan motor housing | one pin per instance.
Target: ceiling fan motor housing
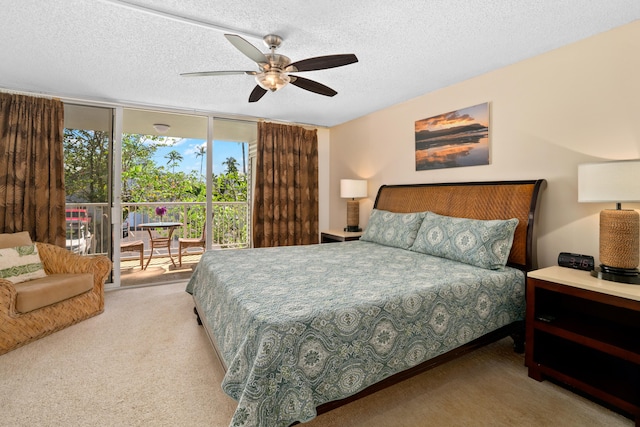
(273, 76)
(272, 41)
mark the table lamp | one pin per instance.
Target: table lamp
(619, 228)
(353, 189)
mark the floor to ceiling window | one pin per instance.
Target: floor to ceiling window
(176, 171)
(88, 179)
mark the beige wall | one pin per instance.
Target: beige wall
(324, 148)
(576, 104)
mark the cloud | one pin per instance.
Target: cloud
(167, 141)
(444, 121)
(193, 149)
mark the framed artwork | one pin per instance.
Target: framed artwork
(454, 139)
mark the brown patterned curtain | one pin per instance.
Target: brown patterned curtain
(32, 196)
(286, 195)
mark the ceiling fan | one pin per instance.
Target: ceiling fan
(275, 69)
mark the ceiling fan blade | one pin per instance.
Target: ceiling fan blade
(217, 73)
(322, 62)
(312, 86)
(257, 93)
(247, 48)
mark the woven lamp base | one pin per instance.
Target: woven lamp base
(619, 246)
(353, 215)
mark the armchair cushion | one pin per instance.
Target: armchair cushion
(20, 264)
(40, 293)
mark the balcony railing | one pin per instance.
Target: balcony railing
(88, 226)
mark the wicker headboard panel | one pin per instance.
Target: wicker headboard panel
(479, 200)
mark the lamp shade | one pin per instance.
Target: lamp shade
(272, 80)
(353, 188)
(619, 228)
(609, 182)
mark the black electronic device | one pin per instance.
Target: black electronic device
(577, 261)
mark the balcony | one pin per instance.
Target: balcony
(88, 231)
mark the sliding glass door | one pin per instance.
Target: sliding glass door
(163, 193)
(88, 178)
(185, 185)
(170, 184)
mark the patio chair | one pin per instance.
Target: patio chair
(191, 242)
(134, 246)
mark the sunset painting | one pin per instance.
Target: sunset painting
(454, 139)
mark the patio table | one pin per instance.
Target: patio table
(158, 241)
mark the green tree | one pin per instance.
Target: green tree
(139, 171)
(231, 164)
(143, 180)
(230, 186)
(86, 164)
(200, 152)
(174, 158)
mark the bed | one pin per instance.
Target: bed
(300, 330)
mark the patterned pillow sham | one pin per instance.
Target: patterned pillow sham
(483, 243)
(392, 229)
(20, 264)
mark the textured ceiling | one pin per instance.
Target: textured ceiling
(111, 50)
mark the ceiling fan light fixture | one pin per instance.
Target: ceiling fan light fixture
(272, 80)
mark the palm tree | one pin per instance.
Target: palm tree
(231, 164)
(174, 158)
(200, 152)
(244, 163)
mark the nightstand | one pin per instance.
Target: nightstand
(332, 236)
(585, 332)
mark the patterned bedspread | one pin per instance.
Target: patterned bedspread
(305, 325)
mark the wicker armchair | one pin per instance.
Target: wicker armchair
(18, 329)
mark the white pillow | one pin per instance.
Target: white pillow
(20, 264)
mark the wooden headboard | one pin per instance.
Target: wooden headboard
(479, 200)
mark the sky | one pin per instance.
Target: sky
(188, 149)
(476, 114)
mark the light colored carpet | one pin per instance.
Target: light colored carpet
(145, 362)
